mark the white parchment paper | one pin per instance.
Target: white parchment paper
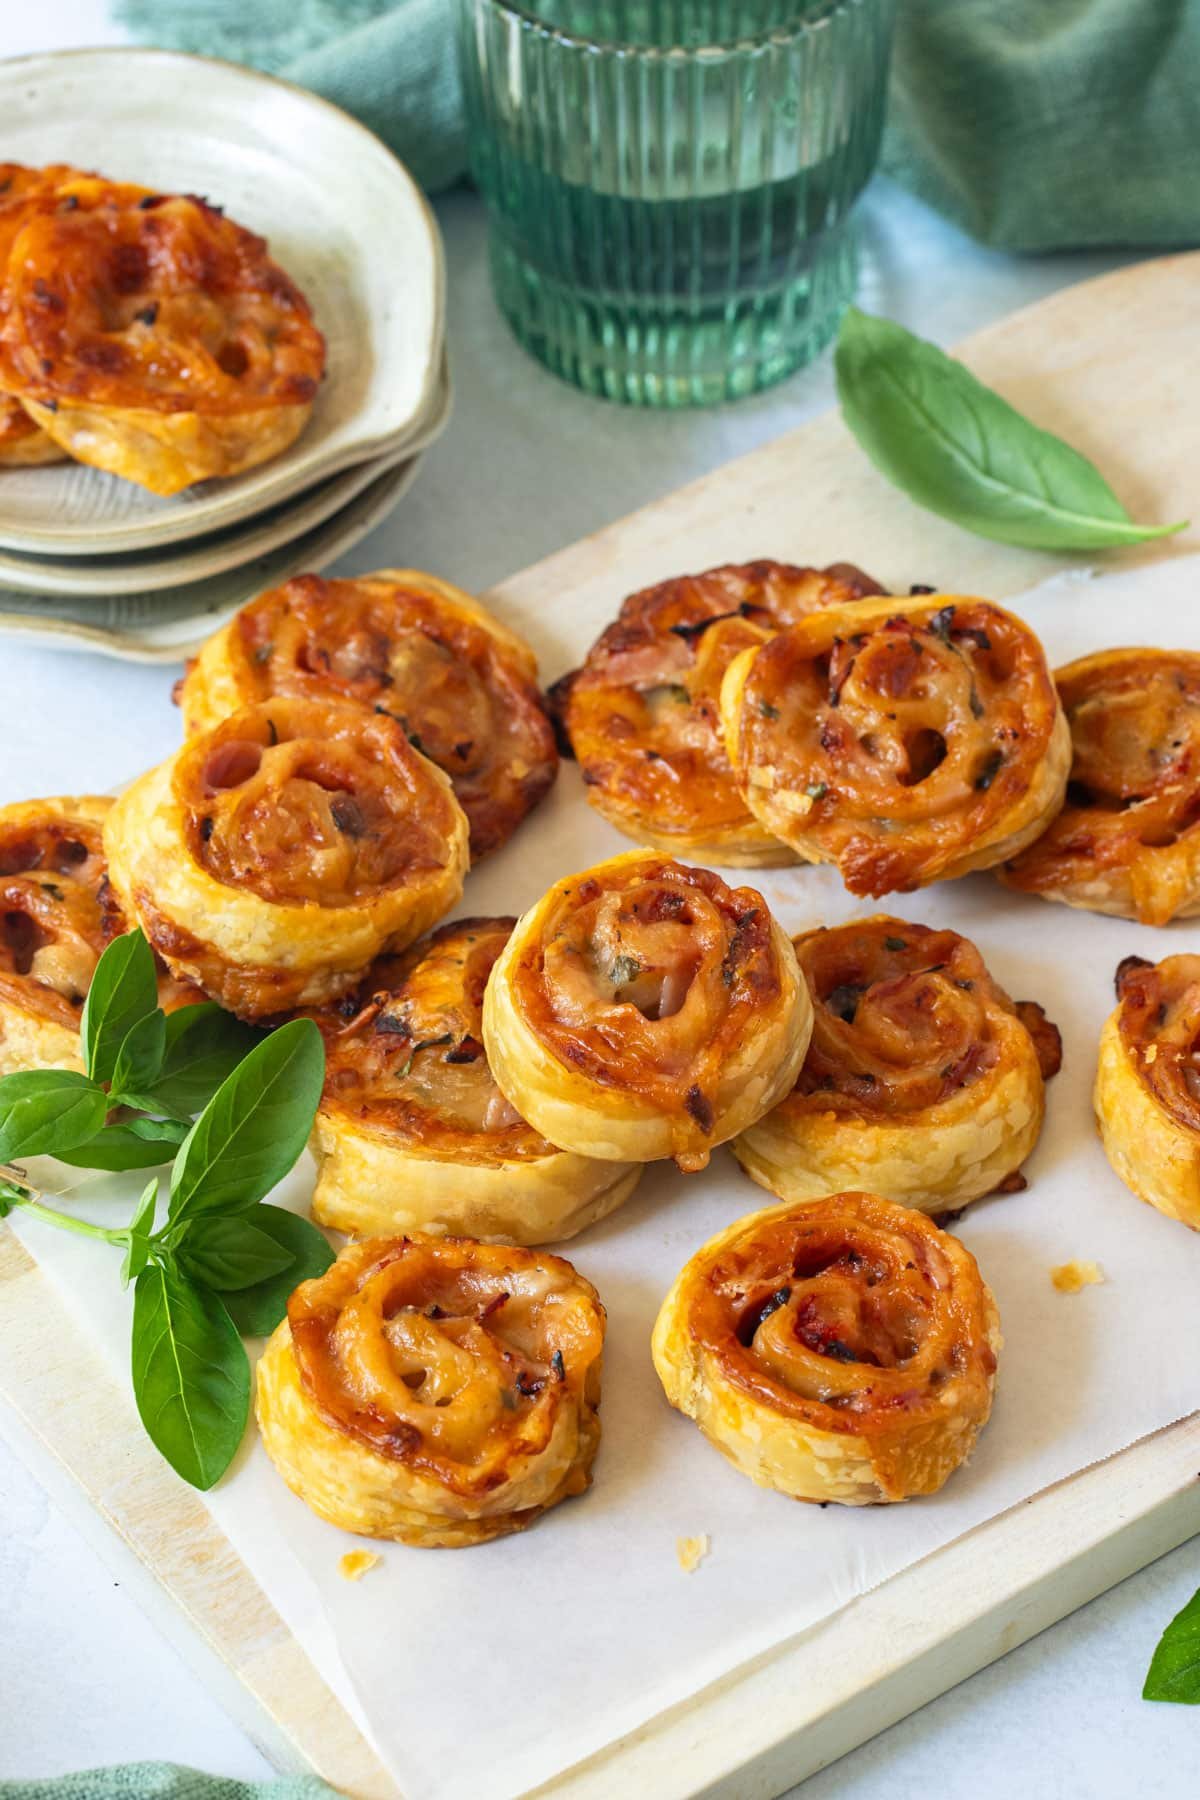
(488, 1670)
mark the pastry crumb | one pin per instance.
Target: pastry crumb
(1150, 1053)
(691, 1551)
(355, 1564)
(1069, 1277)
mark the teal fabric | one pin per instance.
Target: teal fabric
(1034, 124)
(390, 62)
(162, 1781)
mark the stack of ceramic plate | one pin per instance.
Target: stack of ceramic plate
(85, 556)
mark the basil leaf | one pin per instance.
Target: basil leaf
(204, 1046)
(191, 1376)
(257, 1311)
(45, 1111)
(958, 449)
(254, 1127)
(137, 1250)
(134, 1144)
(1174, 1672)
(124, 991)
(10, 1197)
(227, 1253)
(140, 1057)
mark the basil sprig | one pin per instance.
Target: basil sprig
(146, 1074)
(1174, 1672)
(955, 447)
(221, 1262)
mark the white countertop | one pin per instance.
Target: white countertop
(527, 466)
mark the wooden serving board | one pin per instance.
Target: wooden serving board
(1111, 365)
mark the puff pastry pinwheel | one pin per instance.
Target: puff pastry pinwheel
(463, 686)
(435, 1390)
(413, 1134)
(22, 442)
(643, 1010)
(906, 741)
(1128, 839)
(923, 1082)
(151, 336)
(842, 1349)
(271, 859)
(1147, 1094)
(57, 914)
(642, 714)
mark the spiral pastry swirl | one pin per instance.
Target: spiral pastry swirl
(1128, 839)
(435, 1390)
(907, 742)
(151, 336)
(643, 1010)
(271, 859)
(57, 915)
(412, 1133)
(923, 1082)
(463, 686)
(23, 443)
(642, 714)
(843, 1349)
(1147, 1094)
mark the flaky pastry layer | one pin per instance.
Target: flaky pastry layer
(1147, 1093)
(413, 1134)
(437, 1391)
(922, 1081)
(907, 741)
(644, 1009)
(842, 1349)
(271, 859)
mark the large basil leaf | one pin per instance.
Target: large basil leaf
(254, 1127)
(958, 449)
(1174, 1672)
(231, 1252)
(46, 1111)
(204, 1046)
(256, 1311)
(135, 1144)
(191, 1375)
(124, 991)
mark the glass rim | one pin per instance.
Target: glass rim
(820, 15)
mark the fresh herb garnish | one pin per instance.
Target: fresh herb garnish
(1174, 1672)
(220, 1263)
(625, 968)
(955, 447)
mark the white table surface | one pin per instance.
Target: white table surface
(527, 466)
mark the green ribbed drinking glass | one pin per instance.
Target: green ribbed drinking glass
(670, 182)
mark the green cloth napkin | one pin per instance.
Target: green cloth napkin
(162, 1781)
(1034, 124)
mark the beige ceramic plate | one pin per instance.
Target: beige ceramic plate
(158, 627)
(148, 571)
(340, 214)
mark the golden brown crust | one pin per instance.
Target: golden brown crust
(23, 444)
(908, 741)
(462, 685)
(1147, 1095)
(642, 713)
(271, 859)
(1127, 842)
(435, 1390)
(922, 1081)
(413, 1134)
(57, 914)
(843, 1349)
(149, 335)
(643, 1009)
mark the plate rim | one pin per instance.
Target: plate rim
(277, 484)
